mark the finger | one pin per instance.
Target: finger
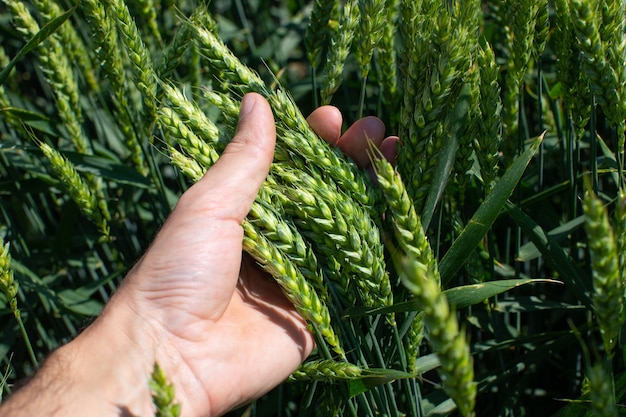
(389, 148)
(228, 189)
(326, 122)
(354, 142)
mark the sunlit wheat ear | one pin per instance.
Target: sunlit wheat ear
(192, 116)
(439, 44)
(78, 189)
(338, 50)
(8, 285)
(296, 137)
(178, 134)
(444, 335)
(332, 221)
(270, 220)
(58, 72)
(370, 33)
(419, 273)
(104, 37)
(294, 285)
(188, 166)
(140, 59)
(319, 30)
(608, 293)
(212, 48)
(326, 371)
(73, 44)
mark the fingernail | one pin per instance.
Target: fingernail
(247, 104)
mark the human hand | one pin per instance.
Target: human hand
(326, 122)
(220, 328)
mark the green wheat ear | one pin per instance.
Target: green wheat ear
(608, 295)
(10, 288)
(418, 270)
(78, 188)
(601, 391)
(163, 394)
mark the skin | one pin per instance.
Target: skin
(219, 327)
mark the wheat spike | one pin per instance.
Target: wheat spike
(74, 46)
(180, 134)
(338, 51)
(418, 271)
(296, 137)
(333, 221)
(438, 56)
(318, 30)
(489, 129)
(57, 70)
(601, 391)
(78, 189)
(193, 117)
(372, 28)
(608, 293)
(108, 53)
(141, 62)
(294, 285)
(8, 285)
(163, 395)
(326, 371)
(576, 94)
(445, 337)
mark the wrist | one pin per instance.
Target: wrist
(105, 371)
(113, 360)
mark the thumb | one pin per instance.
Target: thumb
(233, 183)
